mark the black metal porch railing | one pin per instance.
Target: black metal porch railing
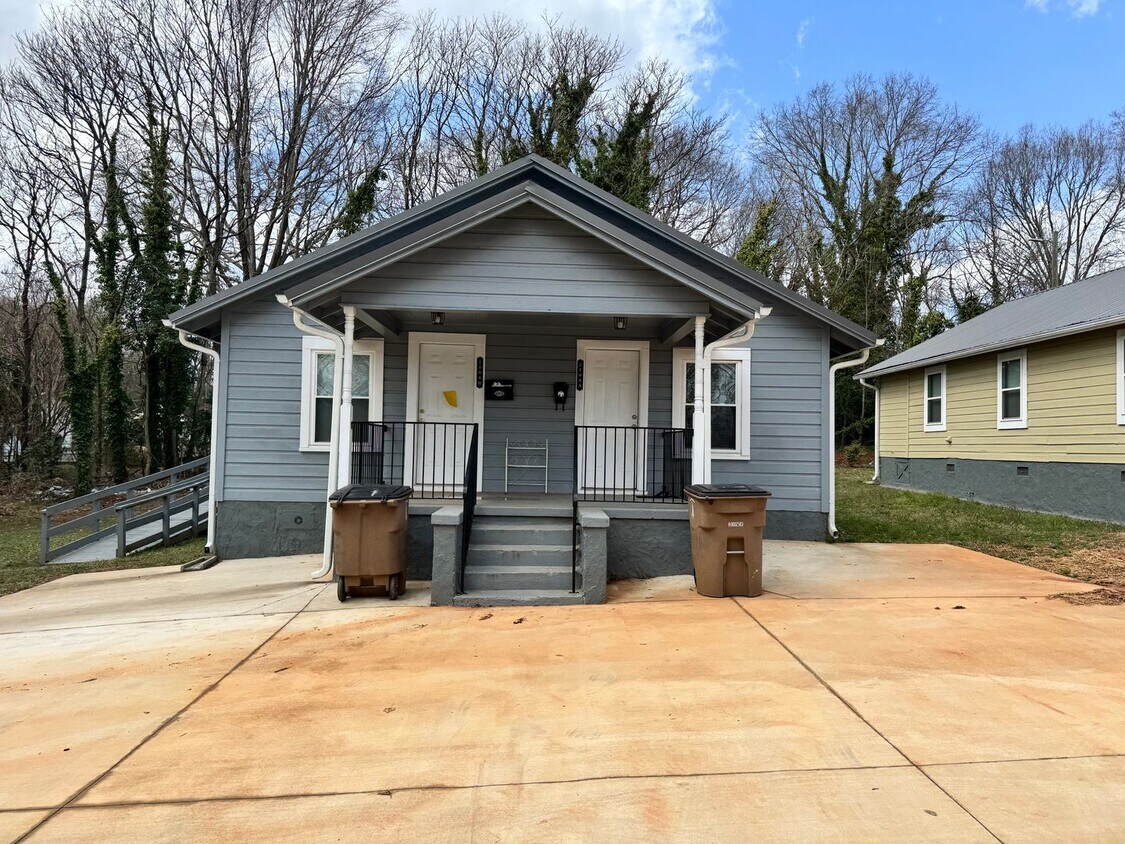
(438, 459)
(431, 457)
(628, 464)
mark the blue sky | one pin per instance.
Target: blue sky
(1009, 61)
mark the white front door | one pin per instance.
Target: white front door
(612, 405)
(443, 393)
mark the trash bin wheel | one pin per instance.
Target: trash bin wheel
(341, 589)
(392, 586)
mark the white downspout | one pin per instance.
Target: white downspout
(212, 465)
(334, 442)
(832, 370)
(875, 389)
(703, 384)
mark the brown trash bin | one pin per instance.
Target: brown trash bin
(369, 537)
(726, 538)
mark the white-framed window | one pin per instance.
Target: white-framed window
(318, 362)
(1121, 377)
(1011, 389)
(730, 399)
(933, 406)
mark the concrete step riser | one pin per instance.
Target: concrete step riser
(484, 534)
(503, 556)
(484, 580)
(518, 598)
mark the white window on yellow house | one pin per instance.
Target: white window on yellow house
(1121, 377)
(1011, 390)
(317, 381)
(933, 410)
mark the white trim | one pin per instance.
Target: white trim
(1021, 422)
(681, 357)
(413, 354)
(310, 348)
(1121, 377)
(927, 398)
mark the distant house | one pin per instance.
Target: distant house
(1023, 405)
(532, 342)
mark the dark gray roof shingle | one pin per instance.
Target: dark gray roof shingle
(1073, 308)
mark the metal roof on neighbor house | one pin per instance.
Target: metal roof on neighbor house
(723, 276)
(1080, 306)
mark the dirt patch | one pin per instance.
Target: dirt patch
(1102, 563)
(1112, 597)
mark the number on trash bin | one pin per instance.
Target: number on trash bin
(736, 524)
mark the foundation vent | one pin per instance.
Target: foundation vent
(949, 467)
(1023, 471)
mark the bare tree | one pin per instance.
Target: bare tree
(1047, 207)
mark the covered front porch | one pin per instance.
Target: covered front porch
(523, 435)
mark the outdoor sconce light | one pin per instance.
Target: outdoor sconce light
(437, 317)
(619, 322)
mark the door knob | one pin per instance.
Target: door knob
(422, 410)
(634, 416)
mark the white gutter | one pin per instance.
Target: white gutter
(703, 379)
(875, 389)
(832, 370)
(212, 464)
(334, 441)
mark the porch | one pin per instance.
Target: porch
(524, 436)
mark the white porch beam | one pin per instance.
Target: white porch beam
(699, 451)
(345, 459)
(381, 322)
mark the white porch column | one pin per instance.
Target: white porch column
(345, 454)
(699, 450)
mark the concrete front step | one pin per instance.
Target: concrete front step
(528, 509)
(503, 578)
(485, 554)
(518, 598)
(512, 530)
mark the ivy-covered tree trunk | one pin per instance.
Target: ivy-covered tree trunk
(80, 382)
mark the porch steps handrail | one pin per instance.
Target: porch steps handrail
(100, 518)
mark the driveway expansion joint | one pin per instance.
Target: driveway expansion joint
(860, 716)
(68, 803)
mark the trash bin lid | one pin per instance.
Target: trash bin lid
(371, 492)
(726, 491)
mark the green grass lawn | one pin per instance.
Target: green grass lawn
(1088, 550)
(19, 552)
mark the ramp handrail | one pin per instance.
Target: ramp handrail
(98, 509)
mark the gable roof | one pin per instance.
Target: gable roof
(529, 179)
(1080, 306)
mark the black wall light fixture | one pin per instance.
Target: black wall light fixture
(620, 322)
(437, 317)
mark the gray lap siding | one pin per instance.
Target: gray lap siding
(261, 389)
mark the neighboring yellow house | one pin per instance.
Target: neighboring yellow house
(1023, 406)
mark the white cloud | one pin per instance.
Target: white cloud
(1078, 8)
(684, 32)
(802, 31)
(1082, 8)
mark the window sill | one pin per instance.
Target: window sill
(729, 455)
(314, 448)
(933, 429)
(1012, 425)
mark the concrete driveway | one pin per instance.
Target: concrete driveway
(876, 693)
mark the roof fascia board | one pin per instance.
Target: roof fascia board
(842, 324)
(274, 278)
(395, 251)
(875, 372)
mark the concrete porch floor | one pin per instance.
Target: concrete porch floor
(875, 693)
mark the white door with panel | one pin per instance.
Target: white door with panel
(444, 394)
(612, 405)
